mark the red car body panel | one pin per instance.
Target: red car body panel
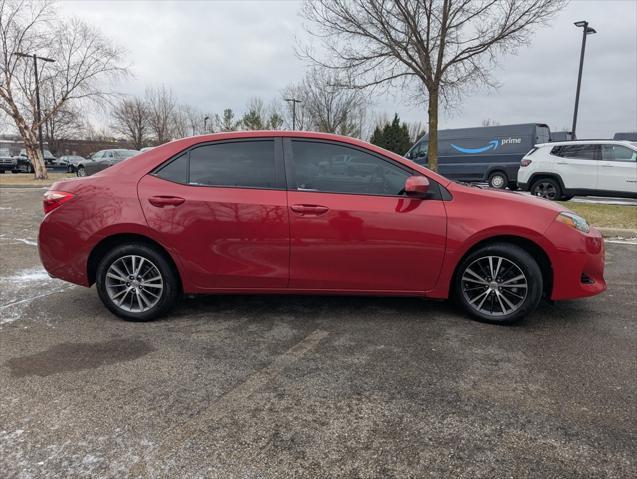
(366, 243)
(256, 240)
(226, 237)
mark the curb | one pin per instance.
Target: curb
(617, 232)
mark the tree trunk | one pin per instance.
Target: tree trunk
(34, 154)
(433, 130)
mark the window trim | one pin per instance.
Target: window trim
(279, 169)
(290, 169)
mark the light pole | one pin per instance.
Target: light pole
(38, 114)
(205, 122)
(586, 30)
(294, 101)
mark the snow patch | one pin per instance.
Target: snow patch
(26, 241)
(22, 288)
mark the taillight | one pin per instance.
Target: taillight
(53, 199)
(525, 162)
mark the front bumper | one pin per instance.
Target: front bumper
(577, 261)
(523, 186)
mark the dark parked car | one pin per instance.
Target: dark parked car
(7, 162)
(70, 162)
(24, 164)
(102, 160)
(248, 212)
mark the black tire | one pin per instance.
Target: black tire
(81, 171)
(547, 188)
(466, 290)
(169, 280)
(30, 169)
(498, 180)
(566, 197)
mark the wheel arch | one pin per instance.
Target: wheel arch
(106, 244)
(530, 246)
(554, 176)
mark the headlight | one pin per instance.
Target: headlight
(574, 221)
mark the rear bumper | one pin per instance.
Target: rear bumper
(578, 262)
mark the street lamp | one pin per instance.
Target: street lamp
(37, 92)
(294, 101)
(205, 121)
(586, 30)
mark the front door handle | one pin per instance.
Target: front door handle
(562, 162)
(607, 165)
(315, 210)
(161, 201)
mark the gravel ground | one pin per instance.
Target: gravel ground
(262, 387)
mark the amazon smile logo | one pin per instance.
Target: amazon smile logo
(493, 145)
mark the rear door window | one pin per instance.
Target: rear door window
(618, 153)
(243, 164)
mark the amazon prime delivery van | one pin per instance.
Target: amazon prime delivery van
(489, 154)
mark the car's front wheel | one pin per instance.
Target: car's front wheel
(499, 283)
(81, 171)
(136, 282)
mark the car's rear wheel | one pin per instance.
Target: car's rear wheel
(81, 171)
(498, 180)
(499, 283)
(136, 282)
(547, 188)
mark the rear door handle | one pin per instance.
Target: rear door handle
(607, 165)
(315, 210)
(161, 201)
(562, 162)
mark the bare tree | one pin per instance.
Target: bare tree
(130, 119)
(191, 121)
(490, 122)
(83, 59)
(327, 105)
(161, 105)
(64, 125)
(437, 48)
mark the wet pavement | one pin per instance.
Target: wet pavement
(260, 387)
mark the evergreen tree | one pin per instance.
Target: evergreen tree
(393, 136)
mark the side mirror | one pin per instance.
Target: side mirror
(416, 185)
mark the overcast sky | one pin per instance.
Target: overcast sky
(216, 55)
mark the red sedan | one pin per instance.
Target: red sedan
(309, 213)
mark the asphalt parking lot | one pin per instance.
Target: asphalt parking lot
(260, 387)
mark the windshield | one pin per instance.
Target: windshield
(4, 152)
(123, 154)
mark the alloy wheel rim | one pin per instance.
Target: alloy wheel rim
(494, 286)
(546, 190)
(134, 283)
(81, 172)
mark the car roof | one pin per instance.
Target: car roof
(588, 142)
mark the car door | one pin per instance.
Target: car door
(353, 229)
(577, 165)
(618, 169)
(221, 207)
